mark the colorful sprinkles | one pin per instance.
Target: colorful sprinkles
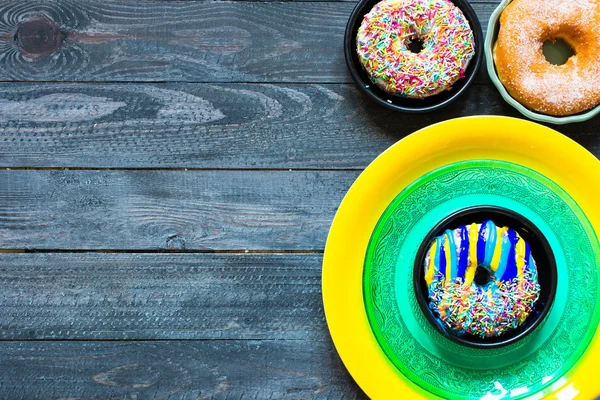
(495, 307)
(388, 29)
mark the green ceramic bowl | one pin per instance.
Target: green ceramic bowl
(492, 33)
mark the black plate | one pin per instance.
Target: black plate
(402, 103)
(540, 250)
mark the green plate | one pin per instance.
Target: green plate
(530, 366)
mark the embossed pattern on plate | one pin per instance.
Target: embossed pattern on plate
(421, 353)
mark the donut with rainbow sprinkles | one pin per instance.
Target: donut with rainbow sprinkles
(482, 279)
(385, 36)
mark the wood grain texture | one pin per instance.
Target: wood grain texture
(191, 41)
(174, 370)
(217, 125)
(169, 210)
(161, 296)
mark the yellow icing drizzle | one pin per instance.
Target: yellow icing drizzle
(498, 249)
(473, 236)
(431, 270)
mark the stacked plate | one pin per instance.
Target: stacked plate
(372, 271)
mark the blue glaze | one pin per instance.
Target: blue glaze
(463, 252)
(511, 266)
(442, 257)
(452, 246)
(481, 243)
(490, 245)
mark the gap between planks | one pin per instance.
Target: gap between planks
(306, 169)
(163, 251)
(245, 339)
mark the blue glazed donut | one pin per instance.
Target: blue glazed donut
(486, 309)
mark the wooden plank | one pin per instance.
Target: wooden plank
(217, 126)
(161, 296)
(177, 210)
(174, 370)
(129, 40)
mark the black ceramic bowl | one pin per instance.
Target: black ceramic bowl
(402, 103)
(540, 250)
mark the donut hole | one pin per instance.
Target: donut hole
(416, 45)
(557, 51)
(482, 276)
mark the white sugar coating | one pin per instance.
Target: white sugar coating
(558, 90)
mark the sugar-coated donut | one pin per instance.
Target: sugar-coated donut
(529, 78)
(484, 309)
(386, 32)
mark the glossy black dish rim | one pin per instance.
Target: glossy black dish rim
(404, 104)
(549, 288)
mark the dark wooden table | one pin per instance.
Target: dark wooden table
(169, 172)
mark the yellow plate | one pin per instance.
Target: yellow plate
(495, 138)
